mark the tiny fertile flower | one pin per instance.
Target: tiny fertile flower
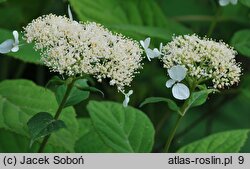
(126, 99)
(149, 52)
(177, 74)
(10, 45)
(226, 2)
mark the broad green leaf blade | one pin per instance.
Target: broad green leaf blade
(89, 88)
(91, 143)
(26, 52)
(171, 104)
(241, 42)
(200, 97)
(85, 125)
(89, 140)
(122, 129)
(245, 2)
(55, 81)
(129, 17)
(2, 1)
(144, 31)
(76, 95)
(43, 124)
(15, 143)
(22, 99)
(224, 142)
(244, 89)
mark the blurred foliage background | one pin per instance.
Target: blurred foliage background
(138, 19)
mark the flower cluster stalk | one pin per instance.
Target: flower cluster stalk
(58, 112)
(181, 114)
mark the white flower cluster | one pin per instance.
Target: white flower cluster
(204, 59)
(73, 48)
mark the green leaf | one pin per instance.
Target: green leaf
(15, 143)
(241, 42)
(91, 143)
(89, 140)
(12, 143)
(129, 17)
(26, 52)
(85, 125)
(199, 98)
(244, 87)
(122, 129)
(171, 104)
(55, 81)
(2, 1)
(224, 142)
(89, 88)
(76, 95)
(43, 124)
(245, 2)
(156, 32)
(22, 99)
(202, 87)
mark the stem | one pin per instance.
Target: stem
(214, 23)
(192, 125)
(58, 112)
(66, 95)
(181, 114)
(183, 111)
(172, 134)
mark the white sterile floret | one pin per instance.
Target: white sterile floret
(126, 99)
(204, 60)
(226, 2)
(70, 13)
(74, 49)
(177, 74)
(149, 52)
(145, 44)
(10, 45)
